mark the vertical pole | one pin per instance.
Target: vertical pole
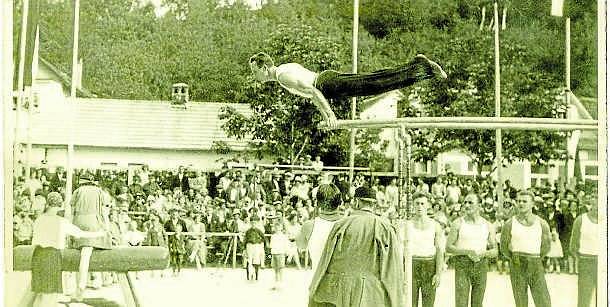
(408, 256)
(352, 146)
(568, 52)
(71, 101)
(20, 77)
(6, 40)
(234, 250)
(499, 189)
(399, 170)
(602, 147)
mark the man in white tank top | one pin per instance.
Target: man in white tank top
(427, 249)
(584, 245)
(320, 87)
(525, 239)
(471, 241)
(314, 232)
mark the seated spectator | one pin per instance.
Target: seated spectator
(23, 228)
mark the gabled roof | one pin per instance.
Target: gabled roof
(65, 80)
(134, 124)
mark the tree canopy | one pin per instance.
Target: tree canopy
(129, 52)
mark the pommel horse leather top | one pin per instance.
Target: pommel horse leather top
(121, 259)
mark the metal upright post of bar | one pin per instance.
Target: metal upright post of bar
(352, 147)
(499, 189)
(71, 108)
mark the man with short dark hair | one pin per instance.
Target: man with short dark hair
(525, 240)
(428, 253)
(314, 232)
(471, 242)
(362, 263)
(329, 84)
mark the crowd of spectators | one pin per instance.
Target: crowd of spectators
(142, 201)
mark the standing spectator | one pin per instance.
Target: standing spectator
(279, 247)
(453, 192)
(200, 182)
(391, 194)
(293, 228)
(318, 165)
(87, 204)
(346, 276)
(472, 241)
(255, 249)
(198, 242)
(427, 248)
(525, 240)
(584, 244)
(176, 240)
(565, 220)
(555, 253)
(144, 175)
(38, 203)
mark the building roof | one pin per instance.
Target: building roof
(66, 81)
(134, 124)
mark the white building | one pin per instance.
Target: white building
(521, 174)
(119, 133)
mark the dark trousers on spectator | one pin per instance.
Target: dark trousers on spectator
(587, 281)
(423, 273)
(470, 281)
(528, 271)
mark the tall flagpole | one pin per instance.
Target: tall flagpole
(352, 146)
(71, 102)
(20, 81)
(499, 185)
(6, 41)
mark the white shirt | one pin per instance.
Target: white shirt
(52, 230)
(279, 243)
(473, 237)
(526, 239)
(422, 240)
(589, 236)
(317, 240)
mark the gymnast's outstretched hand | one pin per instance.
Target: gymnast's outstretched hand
(330, 122)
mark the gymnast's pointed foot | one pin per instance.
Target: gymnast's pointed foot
(437, 70)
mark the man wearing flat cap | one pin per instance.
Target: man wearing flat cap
(361, 264)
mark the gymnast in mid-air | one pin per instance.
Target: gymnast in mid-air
(329, 84)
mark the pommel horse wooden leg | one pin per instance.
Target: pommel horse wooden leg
(124, 261)
(130, 295)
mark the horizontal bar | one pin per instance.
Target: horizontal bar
(302, 167)
(505, 123)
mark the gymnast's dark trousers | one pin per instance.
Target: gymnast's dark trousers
(335, 85)
(470, 281)
(423, 273)
(528, 271)
(587, 280)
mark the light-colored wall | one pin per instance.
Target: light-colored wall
(93, 157)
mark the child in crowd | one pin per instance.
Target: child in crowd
(279, 248)
(255, 248)
(155, 233)
(555, 255)
(49, 239)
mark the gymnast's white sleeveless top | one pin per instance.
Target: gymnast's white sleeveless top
(303, 74)
(317, 240)
(588, 236)
(422, 240)
(473, 237)
(526, 239)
